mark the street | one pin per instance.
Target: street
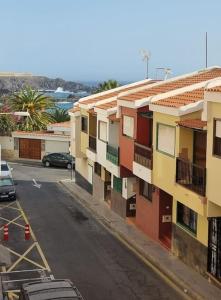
(77, 247)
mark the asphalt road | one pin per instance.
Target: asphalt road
(77, 247)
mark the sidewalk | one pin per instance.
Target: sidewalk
(26, 162)
(188, 280)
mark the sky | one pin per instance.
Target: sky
(90, 40)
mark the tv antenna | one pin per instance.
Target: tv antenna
(167, 72)
(145, 57)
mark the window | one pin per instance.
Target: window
(103, 131)
(128, 126)
(97, 169)
(186, 217)
(146, 190)
(117, 184)
(84, 124)
(166, 139)
(217, 138)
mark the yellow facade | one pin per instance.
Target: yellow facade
(164, 171)
(213, 163)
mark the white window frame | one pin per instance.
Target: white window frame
(128, 126)
(166, 141)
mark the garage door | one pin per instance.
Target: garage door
(30, 148)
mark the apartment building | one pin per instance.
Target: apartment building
(148, 150)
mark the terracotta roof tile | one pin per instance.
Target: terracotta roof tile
(114, 93)
(172, 85)
(214, 89)
(74, 109)
(181, 99)
(107, 105)
(195, 124)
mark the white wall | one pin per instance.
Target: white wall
(7, 143)
(102, 146)
(56, 146)
(128, 187)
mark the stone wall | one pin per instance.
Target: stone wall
(189, 250)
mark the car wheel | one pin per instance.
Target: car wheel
(47, 164)
(69, 166)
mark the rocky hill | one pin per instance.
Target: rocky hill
(10, 84)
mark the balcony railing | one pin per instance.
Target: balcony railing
(143, 155)
(113, 154)
(92, 143)
(190, 175)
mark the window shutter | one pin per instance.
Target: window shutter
(128, 126)
(103, 131)
(218, 129)
(166, 139)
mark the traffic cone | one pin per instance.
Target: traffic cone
(6, 232)
(27, 232)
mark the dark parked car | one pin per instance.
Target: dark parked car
(51, 289)
(59, 160)
(7, 189)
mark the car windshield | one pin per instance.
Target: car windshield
(4, 167)
(6, 182)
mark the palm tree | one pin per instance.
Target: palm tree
(60, 115)
(36, 104)
(107, 85)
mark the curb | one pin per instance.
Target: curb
(182, 286)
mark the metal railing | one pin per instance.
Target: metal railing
(143, 155)
(113, 154)
(92, 143)
(190, 175)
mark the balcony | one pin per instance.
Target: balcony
(143, 155)
(92, 143)
(113, 154)
(191, 176)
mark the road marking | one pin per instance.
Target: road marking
(23, 257)
(34, 239)
(12, 221)
(8, 206)
(37, 185)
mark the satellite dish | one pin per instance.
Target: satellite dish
(145, 57)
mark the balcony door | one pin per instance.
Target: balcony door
(199, 148)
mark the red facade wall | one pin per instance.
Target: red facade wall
(147, 215)
(127, 143)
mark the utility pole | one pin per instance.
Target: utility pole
(206, 52)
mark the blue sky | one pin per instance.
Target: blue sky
(100, 39)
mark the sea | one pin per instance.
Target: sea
(62, 97)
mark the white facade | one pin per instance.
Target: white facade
(142, 172)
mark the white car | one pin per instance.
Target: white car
(5, 169)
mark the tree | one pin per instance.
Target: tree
(36, 104)
(60, 115)
(107, 85)
(7, 124)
